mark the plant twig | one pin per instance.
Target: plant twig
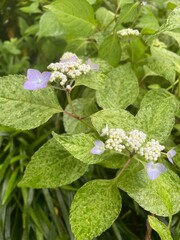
(148, 231)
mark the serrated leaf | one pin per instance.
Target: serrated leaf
(24, 109)
(95, 207)
(172, 22)
(156, 116)
(110, 50)
(79, 146)
(120, 88)
(164, 63)
(76, 16)
(160, 197)
(94, 80)
(115, 118)
(52, 166)
(84, 107)
(160, 228)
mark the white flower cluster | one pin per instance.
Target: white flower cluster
(67, 69)
(152, 150)
(134, 140)
(127, 32)
(115, 140)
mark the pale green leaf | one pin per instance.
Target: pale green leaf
(76, 16)
(176, 158)
(110, 50)
(79, 146)
(49, 25)
(83, 107)
(52, 166)
(160, 228)
(94, 80)
(156, 116)
(164, 63)
(115, 118)
(172, 22)
(95, 207)
(120, 90)
(25, 109)
(160, 197)
(175, 35)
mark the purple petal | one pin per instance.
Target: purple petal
(93, 66)
(36, 79)
(99, 147)
(170, 154)
(33, 75)
(154, 169)
(99, 143)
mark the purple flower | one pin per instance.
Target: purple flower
(36, 79)
(154, 169)
(99, 147)
(170, 154)
(93, 66)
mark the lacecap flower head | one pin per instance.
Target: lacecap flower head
(36, 79)
(68, 69)
(135, 142)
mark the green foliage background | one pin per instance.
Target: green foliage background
(35, 33)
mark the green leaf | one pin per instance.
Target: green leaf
(76, 16)
(79, 146)
(49, 25)
(94, 80)
(160, 197)
(52, 166)
(128, 12)
(110, 50)
(77, 45)
(25, 109)
(84, 107)
(164, 63)
(11, 185)
(148, 22)
(176, 158)
(120, 88)
(113, 160)
(95, 207)
(172, 22)
(156, 116)
(115, 118)
(160, 228)
(175, 35)
(105, 19)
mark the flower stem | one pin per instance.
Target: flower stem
(124, 167)
(70, 101)
(74, 115)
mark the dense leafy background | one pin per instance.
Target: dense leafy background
(35, 33)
